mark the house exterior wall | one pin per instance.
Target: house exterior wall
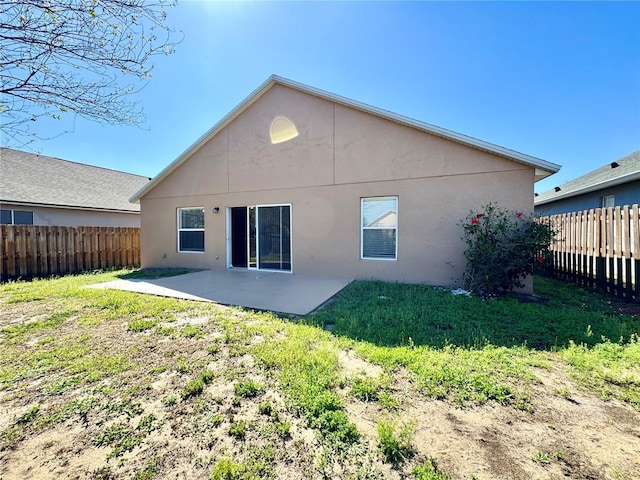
(625, 194)
(339, 156)
(68, 217)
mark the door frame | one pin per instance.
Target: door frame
(229, 236)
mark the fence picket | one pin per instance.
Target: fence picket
(29, 251)
(598, 248)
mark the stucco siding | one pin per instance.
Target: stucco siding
(372, 149)
(68, 217)
(326, 225)
(257, 163)
(336, 157)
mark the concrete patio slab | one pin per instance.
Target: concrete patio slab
(274, 291)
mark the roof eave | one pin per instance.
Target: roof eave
(69, 207)
(592, 188)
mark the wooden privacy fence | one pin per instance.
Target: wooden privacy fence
(28, 251)
(598, 249)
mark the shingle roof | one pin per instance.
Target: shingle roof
(36, 179)
(542, 167)
(627, 170)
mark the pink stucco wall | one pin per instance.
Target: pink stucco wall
(339, 156)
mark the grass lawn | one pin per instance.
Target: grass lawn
(413, 382)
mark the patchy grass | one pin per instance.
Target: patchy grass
(470, 350)
(96, 374)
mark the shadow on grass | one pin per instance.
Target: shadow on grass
(388, 314)
(153, 273)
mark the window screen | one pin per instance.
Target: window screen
(379, 228)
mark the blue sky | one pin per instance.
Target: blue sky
(558, 81)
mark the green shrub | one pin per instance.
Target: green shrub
(502, 248)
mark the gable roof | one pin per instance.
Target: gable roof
(627, 170)
(542, 168)
(27, 178)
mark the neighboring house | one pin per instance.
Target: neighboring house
(40, 190)
(296, 179)
(615, 184)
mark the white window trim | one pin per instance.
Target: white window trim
(13, 211)
(362, 229)
(257, 206)
(604, 198)
(178, 230)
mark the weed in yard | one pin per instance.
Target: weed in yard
(248, 389)
(213, 349)
(121, 438)
(395, 446)
(541, 457)
(78, 406)
(238, 429)
(227, 469)
(388, 401)
(124, 407)
(365, 388)
(192, 388)
(265, 408)
(196, 386)
(170, 401)
(563, 392)
(610, 369)
(147, 472)
(430, 471)
(103, 473)
(191, 331)
(29, 415)
(59, 386)
(141, 324)
(283, 429)
(18, 332)
(183, 366)
(306, 363)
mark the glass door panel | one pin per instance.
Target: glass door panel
(274, 238)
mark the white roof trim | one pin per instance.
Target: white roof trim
(542, 166)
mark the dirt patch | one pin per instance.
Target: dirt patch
(569, 433)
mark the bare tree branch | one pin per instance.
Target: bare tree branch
(76, 56)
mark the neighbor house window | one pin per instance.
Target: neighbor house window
(16, 217)
(379, 228)
(191, 229)
(608, 201)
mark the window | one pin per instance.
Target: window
(379, 228)
(191, 229)
(16, 217)
(608, 201)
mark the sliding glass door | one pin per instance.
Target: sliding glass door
(261, 237)
(274, 238)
